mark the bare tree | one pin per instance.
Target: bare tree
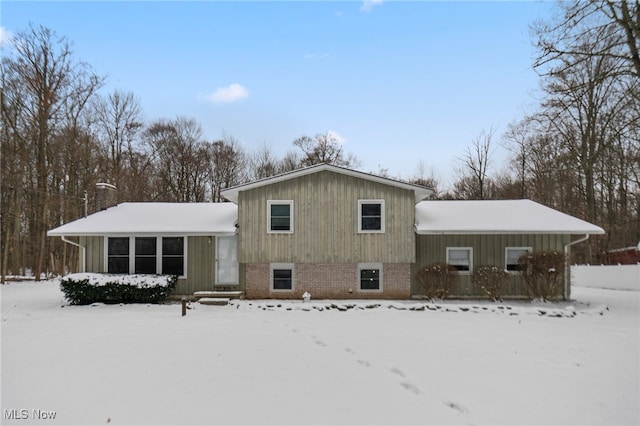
(118, 121)
(263, 163)
(181, 160)
(611, 28)
(426, 178)
(42, 77)
(227, 163)
(473, 170)
(324, 148)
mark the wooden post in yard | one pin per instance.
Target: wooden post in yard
(184, 305)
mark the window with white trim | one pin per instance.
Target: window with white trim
(511, 256)
(370, 216)
(370, 276)
(118, 255)
(173, 256)
(282, 276)
(460, 258)
(146, 260)
(146, 255)
(280, 216)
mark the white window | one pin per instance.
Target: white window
(117, 255)
(280, 216)
(146, 255)
(173, 256)
(460, 258)
(282, 277)
(512, 254)
(370, 216)
(370, 276)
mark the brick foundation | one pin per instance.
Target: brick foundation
(329, 281)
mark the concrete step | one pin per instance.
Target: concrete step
(218, 294)
(217, 301)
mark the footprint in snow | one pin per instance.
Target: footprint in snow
(456, 407)
(320, 343)
(410, 387)
(363, 363)
(397, 371)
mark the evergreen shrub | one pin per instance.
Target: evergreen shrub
(86, 288)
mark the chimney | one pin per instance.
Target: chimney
(105, 196)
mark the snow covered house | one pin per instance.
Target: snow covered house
(327, 230)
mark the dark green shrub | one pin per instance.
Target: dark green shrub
(437, 279)
(543, 274)
(84, 288)
(491, 279)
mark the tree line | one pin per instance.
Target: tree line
(577, 151)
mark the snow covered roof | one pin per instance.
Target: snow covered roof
(156, 219)
(420, 192)
(496, 217)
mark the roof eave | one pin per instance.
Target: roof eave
(231, 194)
(509, 232)
(142, 234)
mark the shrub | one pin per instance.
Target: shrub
(543, 274)
(437, 279)
(491, 279)
(84, 289)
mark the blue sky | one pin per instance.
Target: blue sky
(399, 82)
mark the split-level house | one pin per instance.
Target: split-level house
(327, 230)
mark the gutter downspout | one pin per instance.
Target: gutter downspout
(567, 266)
(83, 252)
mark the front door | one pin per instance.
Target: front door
(227, 260)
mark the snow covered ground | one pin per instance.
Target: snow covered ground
(254, 362)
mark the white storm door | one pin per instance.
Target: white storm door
(227, 260)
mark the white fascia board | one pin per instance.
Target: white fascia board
(511, 232)
(231, 194)
(143, 234)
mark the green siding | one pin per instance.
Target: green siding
(200, 262)
(326, 222)
(487, 250)
(94, 253)
(200, 266)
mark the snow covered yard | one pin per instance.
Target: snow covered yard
(255, 362)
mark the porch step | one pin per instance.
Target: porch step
(218, 294)
(216, 301)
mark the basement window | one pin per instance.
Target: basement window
(282, 276)
(370, 276)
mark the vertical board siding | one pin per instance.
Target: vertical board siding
(325, 213)
(94, 253)
(487, 250)
(200, 266)
(200, 262)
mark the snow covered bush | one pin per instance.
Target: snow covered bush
(491, 279)
(86, 288)
(437, 279)
(543, 274)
